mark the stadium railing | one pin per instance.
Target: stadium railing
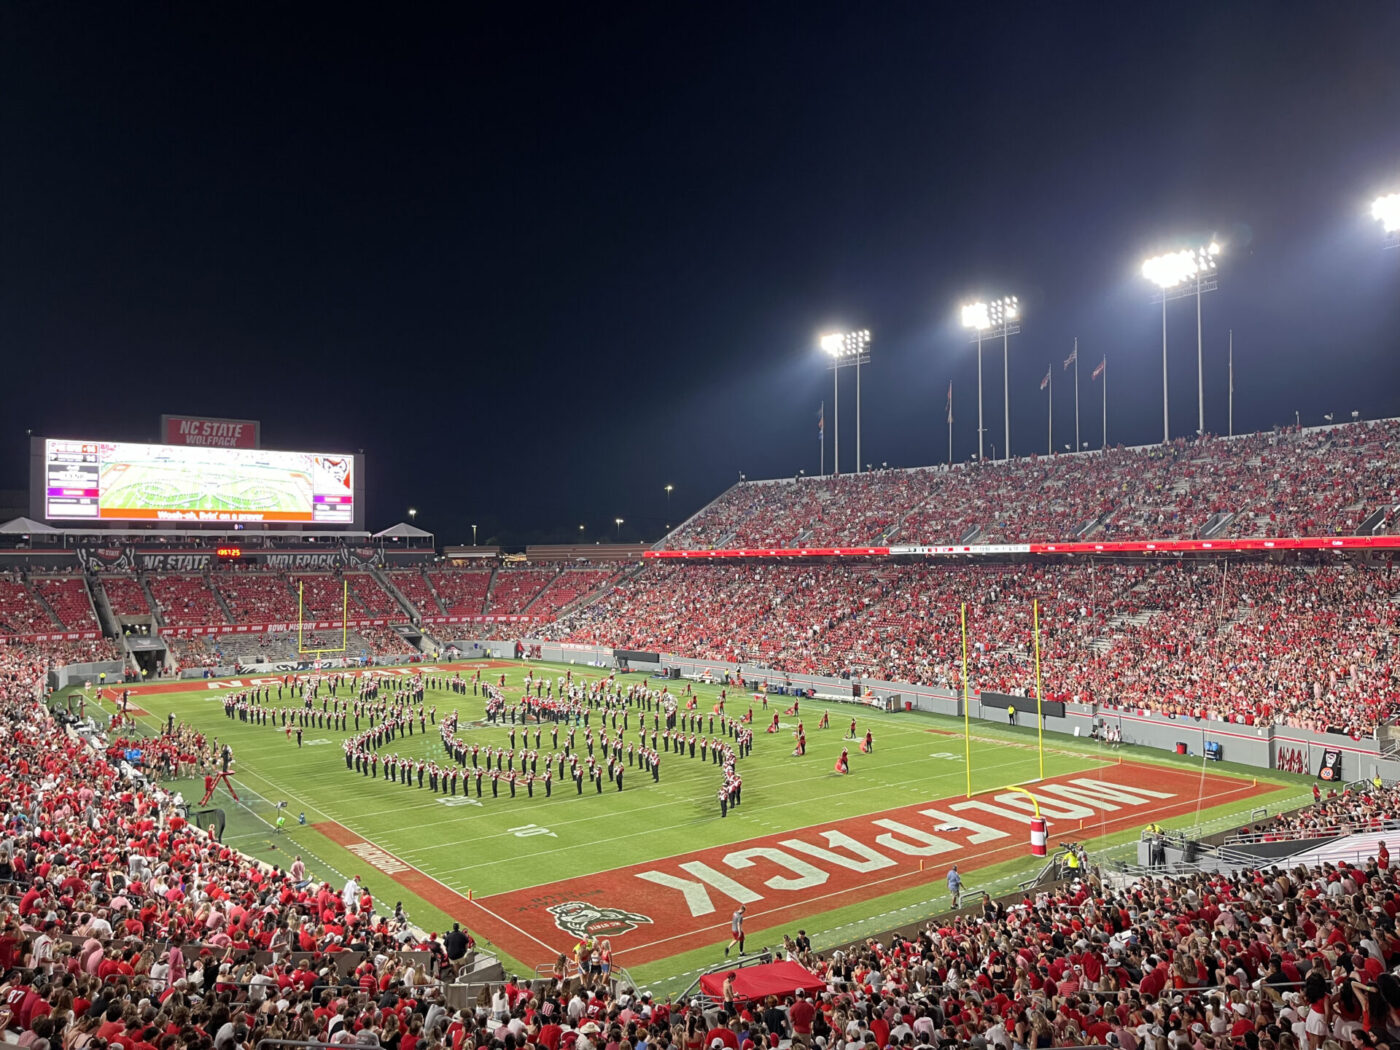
(1330, 831)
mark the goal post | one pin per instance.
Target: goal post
(344, 621)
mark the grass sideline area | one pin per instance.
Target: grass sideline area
(839, 856)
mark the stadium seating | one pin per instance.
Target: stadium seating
(68, 597)
(20, 611)
(185, 601)
(125, 595)
(515, 589)
(1262, 960)
(323, 595)
(1306, 646)
(382, 642)
(567, 587)
(463, 591)
(1348, 812)
(412, 584)
(259, 597)
(1324, 481)
(225, 650)
(66, 917)
(372, 598)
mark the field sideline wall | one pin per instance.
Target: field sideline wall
(1271, 747)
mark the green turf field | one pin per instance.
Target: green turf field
(159, 485)
(432, 852)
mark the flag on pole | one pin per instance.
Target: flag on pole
(1046, 381)
(1099, 370)
(950, 401)
(1073, 357)
(821, 420)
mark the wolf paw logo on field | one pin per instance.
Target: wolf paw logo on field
(588, 920)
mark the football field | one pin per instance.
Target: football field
(159, 485)
(655, 867)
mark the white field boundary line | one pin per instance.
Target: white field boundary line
(691, 772)
(1092, 761)
(1104, 762)
(789, 905)
(683, 824)
(248, 790)
(430, 878)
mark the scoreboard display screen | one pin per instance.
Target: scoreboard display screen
(122, 481)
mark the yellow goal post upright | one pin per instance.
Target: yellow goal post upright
(344, 620)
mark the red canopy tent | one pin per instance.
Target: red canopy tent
(752, 983)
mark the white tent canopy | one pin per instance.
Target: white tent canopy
(403, 531)
(25, 527)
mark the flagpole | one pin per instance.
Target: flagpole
(1105, 401)
(1050, 412)
(821, 436)
(1076, 394)
(1232, 382)
(950, 424)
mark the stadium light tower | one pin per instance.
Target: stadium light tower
(845, 348)
(412, 514)
(618, 521)
(1386, 211)
(997, 317)
(1190, 271)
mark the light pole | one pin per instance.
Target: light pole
(618, 521)
(668, 507)
(1179, 274)
(1386, 211)
(996, 317)
(412, 514)
(845, 348)
(473, 535)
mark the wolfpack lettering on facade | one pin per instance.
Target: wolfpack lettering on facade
(210, 432)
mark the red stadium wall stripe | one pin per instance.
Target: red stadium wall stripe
(1296, 543)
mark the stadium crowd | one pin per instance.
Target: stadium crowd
(1298, 958)
(1290, 482)
(126, 927)
(1310, 646)
(121, 925)
(1352, 811)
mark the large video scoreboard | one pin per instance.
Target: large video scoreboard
(114, 481)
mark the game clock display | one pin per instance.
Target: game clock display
(120, 481)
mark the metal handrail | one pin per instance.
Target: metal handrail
(1331, 831)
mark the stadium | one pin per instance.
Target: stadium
(1078, 734)
(553, 750)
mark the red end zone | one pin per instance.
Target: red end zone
(654, 910)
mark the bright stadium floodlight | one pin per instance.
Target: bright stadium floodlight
(1178, 274)
(845, 348)
(1386, 211)
(974, 315)
(996, 317)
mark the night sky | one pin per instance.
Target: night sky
(539, 262)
